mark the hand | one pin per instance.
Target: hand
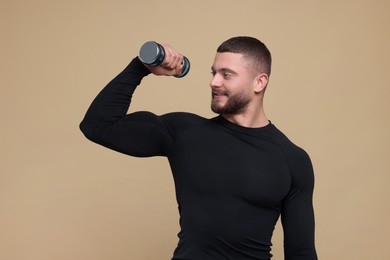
(172, 64)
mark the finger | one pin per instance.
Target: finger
(176, 61)
(172, 58)
(168, 55)
(179, 68)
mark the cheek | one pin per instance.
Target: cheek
(242, 88)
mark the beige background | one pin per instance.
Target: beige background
(63, 197)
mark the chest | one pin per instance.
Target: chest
(210, 162)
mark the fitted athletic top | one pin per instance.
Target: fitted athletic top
(232, 183)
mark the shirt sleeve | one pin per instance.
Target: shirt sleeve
(107, 123)
(297, 214)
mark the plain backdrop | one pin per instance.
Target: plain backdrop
(65, 198)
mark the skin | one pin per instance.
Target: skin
(172, 64)
(232, 82)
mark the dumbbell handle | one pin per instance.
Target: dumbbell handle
(153, 54)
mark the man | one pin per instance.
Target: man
(234, 174)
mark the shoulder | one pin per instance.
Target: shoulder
(178, 122)
(288, 147)
(298, 159)
(183, 117)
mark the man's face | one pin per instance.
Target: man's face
(231, 84)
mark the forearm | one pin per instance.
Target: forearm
(107, 122)
(112, 103)
(299, 238)
(137, 134)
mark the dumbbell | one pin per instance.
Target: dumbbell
(153, 54)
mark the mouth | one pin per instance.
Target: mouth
(217, 94)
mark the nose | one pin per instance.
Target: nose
(215, 81)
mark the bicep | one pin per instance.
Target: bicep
(140, 134)
(297, 214)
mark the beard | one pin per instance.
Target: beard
(234, 104)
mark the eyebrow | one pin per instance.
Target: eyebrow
(224, 70)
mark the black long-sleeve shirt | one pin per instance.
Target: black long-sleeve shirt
(232, 183)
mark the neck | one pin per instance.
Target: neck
(251, 119)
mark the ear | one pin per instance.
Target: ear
(261, 82)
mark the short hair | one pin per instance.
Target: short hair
(252, 49)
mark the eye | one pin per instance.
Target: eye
(227, 75)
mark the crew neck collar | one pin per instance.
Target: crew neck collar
(244, 129)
